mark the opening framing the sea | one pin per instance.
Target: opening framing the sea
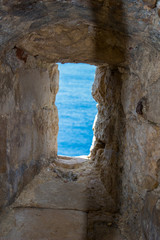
(76, 109)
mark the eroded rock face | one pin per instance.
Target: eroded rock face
(127, 139)
(94, 31)
(107, 92)
(141, 138)
(151, 216)
(150, 3)
(28, 120)
(122, 38)
(57, 206)
(46, 223)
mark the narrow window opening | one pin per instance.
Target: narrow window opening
(76, 109)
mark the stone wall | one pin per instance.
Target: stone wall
(126, 145)
(108, 128)
(122, 38)
(28, 121)
(140, 99)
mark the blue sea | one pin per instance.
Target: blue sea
(76, 109)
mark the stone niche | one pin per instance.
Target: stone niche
(122, 39)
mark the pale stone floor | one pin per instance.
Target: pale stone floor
(65, 201)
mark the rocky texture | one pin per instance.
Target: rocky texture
(150, 3)
(48, 29)
(98, 31)
(122, 39)
(103, 226)
(80, 189)
(126, 142)
(108, 128)
(158, 8)
(140, 156)
(151, 216)
(54, 207)
(28, 121)
(45, 224)
(69, 162)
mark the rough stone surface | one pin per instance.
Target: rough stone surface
(49, 28)
(76, 189)
(69, 162)
(126, 142)
(140, 154)
(106, 91)
(103, 226)
(53, 206)
(122, 39)
(28, 121)
(151, 216)
(44, 224)
(150, 3)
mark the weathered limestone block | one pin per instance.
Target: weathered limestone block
(28, 119)
(136, 134)
(140, 83)
(141, 154)
(45, 131)
(131, 93)
(150, 3)
(153, 102)
(123, 34)
(19, 138)
(103, 226)
(107, 92)
(4, 190)
(99, 85)
(44, 224)
(51, 41)
(151, 216)
(158, 8)
(3, 145)
(45, 30)
(6, 94)
(34, 86)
